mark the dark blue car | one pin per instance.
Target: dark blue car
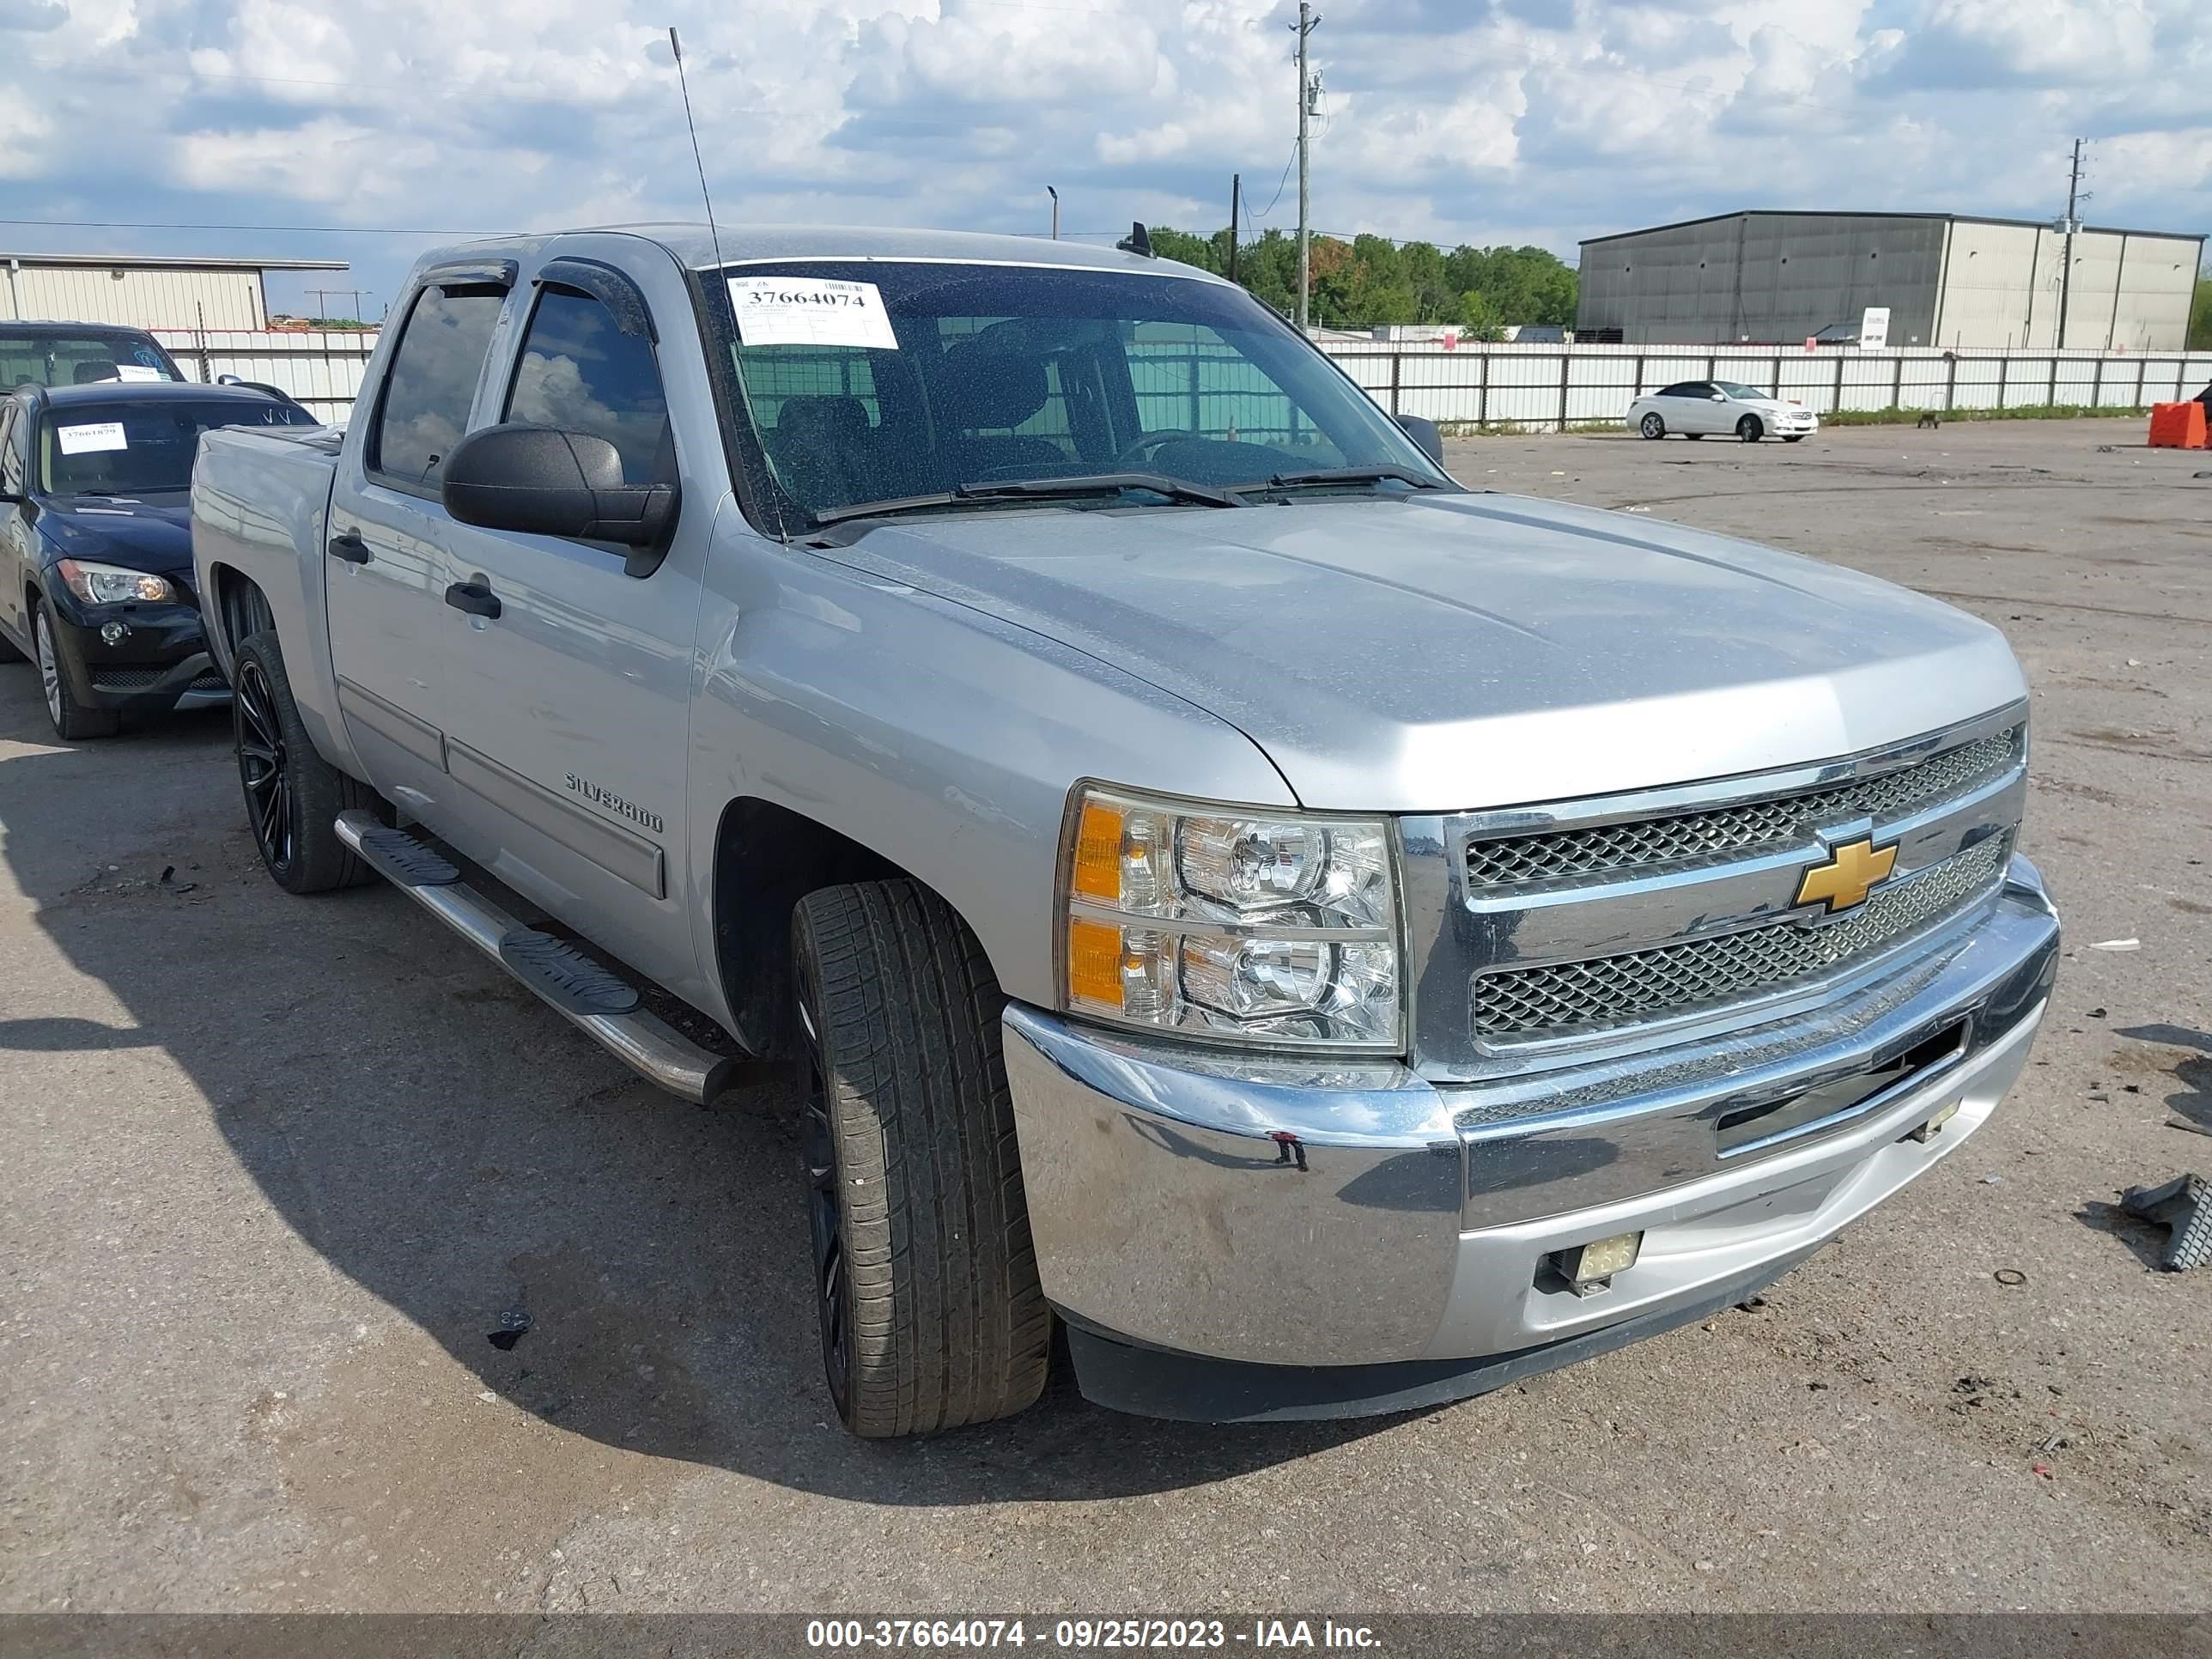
(96, 547)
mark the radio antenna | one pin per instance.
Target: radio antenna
(677, 47)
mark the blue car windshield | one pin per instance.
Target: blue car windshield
(120, 447)
(879, 381)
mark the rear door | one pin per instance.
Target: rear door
(385, 561)
(568, 709)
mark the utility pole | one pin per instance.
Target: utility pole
(2066, 265)
(1054, 194)
(1308, 21)
(1236, 208)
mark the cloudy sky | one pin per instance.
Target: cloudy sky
(1458, 120)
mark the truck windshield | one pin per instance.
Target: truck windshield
(62, 359)
(120, 447)
(889, 381)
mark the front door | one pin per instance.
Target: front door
(569, 663)
(385, 557)
(1690, 409)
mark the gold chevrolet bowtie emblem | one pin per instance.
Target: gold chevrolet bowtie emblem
(1851, 873)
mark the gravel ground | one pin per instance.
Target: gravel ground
(273, 1169)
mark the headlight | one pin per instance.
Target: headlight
(1270, 927)
(108, 584)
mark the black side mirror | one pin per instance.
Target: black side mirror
(545, 481)
(1425, 437)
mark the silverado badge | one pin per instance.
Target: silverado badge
(1851, 873)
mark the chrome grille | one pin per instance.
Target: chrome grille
(1611, 850)
(1677, 979)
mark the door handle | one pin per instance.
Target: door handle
(475, 598)
(347, 544)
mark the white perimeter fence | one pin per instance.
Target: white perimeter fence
(322, 368)
(1541, 388)
(1549, 387)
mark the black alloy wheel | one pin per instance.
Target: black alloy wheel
(261, 766)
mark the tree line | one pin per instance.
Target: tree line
(1372, 279)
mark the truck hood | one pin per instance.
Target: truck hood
(1450, 653)
(142, 532)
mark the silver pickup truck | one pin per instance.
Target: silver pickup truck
(1326, 939)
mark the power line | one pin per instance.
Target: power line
(1280, 184)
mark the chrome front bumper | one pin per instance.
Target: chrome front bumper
(1299, 1214)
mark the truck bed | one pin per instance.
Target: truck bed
(261, 499)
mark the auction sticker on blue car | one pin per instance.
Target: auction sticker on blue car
(813, 311)
(93, 437)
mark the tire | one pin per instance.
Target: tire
(292, 794)
(1751, 428)
(1652, 427)
(1794, 437)
(73, 721)
(926, 1279)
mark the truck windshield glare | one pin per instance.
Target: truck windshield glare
(995, 373)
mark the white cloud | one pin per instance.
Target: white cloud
(328, 159)
(1516, 119)
(24, 133)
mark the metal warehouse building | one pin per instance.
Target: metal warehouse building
(1948, 280)
(140, 291)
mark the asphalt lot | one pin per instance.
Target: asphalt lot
(273, 1169)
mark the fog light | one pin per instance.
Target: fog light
(1590, 1267)
(114, 633)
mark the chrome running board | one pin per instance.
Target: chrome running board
(649, 1046)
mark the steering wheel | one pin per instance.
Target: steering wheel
(1133, 459)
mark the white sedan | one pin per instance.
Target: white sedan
(1694, 408)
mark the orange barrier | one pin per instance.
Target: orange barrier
(2176, 426)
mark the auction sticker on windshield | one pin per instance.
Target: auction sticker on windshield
(811, 311)
(88, 439)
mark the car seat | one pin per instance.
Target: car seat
(984, 392)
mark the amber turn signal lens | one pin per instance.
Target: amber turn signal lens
(1098, 853)
(1094, 962)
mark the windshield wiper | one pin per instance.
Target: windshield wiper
(1005, 490)
(1349, 474)
(1099, 484)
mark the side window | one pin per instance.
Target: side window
(577, 371)
(11, 459)
(433, 380)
